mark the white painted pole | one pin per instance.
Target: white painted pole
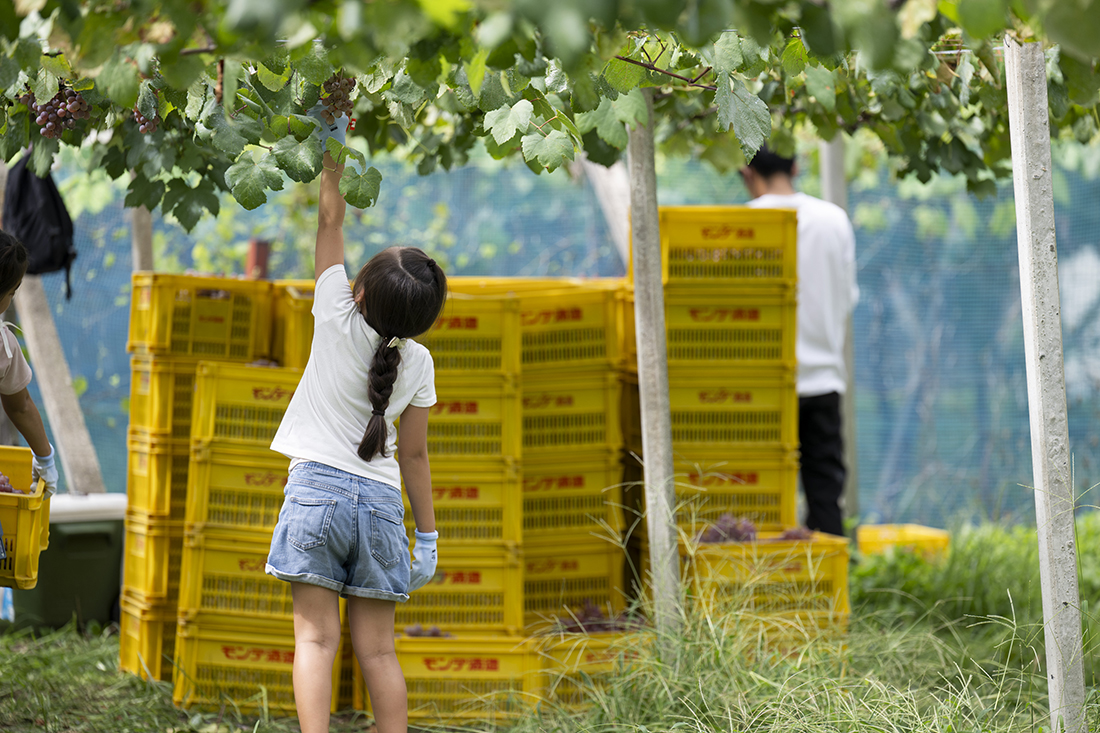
(141, 238)
(834, 189)
(649, 314)
(1032, 171)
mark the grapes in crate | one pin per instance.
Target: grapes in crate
(418, 630)
(798, 534)
(6, 487)
(591, 619)
(729, 529)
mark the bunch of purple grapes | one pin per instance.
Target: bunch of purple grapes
(797, 534)
(6, 487)
(145, 124)
(591, 619)
(338, 98)
(60, 113)
(729, 529)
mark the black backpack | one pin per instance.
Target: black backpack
(35, 214)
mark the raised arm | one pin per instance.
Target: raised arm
(330, 218)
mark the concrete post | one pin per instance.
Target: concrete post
(141, 238)
(1032, 171)
(649, 313)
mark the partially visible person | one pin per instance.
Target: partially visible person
(827, 293)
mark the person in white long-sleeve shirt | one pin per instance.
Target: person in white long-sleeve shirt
(827, 293)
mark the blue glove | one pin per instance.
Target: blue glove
(338, 129)
(424, 560)
(44, 468)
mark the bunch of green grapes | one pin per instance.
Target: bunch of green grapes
(337, 99)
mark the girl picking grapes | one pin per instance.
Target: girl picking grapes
(341, 530)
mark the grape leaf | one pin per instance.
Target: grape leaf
(752, 123)
(795, 57)
(301, 161)
(361, 190)
(188, 204)
(226, 138)
(406, 90)
(42, 154)
(119, 81)
(821, 83)
(623, 76)
(549, 151)
(248, 180)
(147, 103)
(606, 123)
(631, 108)
(723, 100)
(981, 18)
(727, 52)
(143, 192)
(45, 85)
(9, 72)
(475, 71)
(505, 122)
(315, 66)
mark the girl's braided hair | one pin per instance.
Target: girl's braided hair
(400, 292)
(13, 262)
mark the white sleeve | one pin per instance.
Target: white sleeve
(332, 295)
(425, 394)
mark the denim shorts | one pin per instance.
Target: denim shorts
(343, 532)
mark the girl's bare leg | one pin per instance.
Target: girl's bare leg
(372, 637)
(316, 643)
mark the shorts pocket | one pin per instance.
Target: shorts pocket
(387, 535)
(308, 521)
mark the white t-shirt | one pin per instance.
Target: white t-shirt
(329, 411)
(827, 290)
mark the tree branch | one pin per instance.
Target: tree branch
(689, 82)
(194, 51)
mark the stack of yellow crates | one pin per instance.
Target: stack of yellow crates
(730, 276)
(175, 321)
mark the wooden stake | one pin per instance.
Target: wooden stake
(649, 314)
(72, 442)
(1025, 68)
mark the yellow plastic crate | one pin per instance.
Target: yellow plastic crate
(153, 554)
(878, 538)
(631, 413)
(156, 475)
(241, 405)
(736, 329)
(161, 393)
(470, 678)
(292, 322)
(471, 593)
(578, 412)
(761, 486)
(791, 578)
(475, 336)
(475, 422)
(477, 510)
(235, 491)
(563, 574)
(734, 410)
(147, 639)
(572, 663)
(25, 519)
(728, 246)
(208, 317)
(581, 496)
(223, 583)
(240, 668)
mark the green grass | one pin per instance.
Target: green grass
(954, 646)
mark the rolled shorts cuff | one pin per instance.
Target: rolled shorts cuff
(310, 578)
(380, 595)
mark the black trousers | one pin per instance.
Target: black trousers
(823, 469)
